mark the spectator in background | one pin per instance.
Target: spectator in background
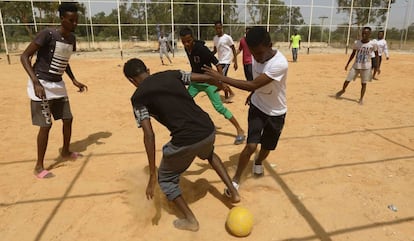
(295, 40)
(382, 48)
(247, 57)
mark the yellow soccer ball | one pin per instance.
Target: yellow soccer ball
(239, 221)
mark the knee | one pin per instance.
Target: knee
(45, 129)
(67, 121)
(223, 110)
(169, 185)
(250, 148)
(170, 189)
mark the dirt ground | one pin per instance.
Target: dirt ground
(337, 168)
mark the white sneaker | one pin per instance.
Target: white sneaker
(227, 192)
(258, 170)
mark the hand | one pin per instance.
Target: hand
(235, 66)
(209, 71)
(39, 90)
(150, 187)
(346, 67)
(224, 87)
(81, 86)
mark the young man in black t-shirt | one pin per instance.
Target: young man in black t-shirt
(199, 55)
(46, 89)
(164, 97)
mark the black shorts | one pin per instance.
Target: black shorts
(264, 129)
(42, 112)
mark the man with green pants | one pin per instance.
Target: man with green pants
(199, 55)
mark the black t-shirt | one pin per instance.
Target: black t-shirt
(53, 55)
(164, 96)
(200, 56)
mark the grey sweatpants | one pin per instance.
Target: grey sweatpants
(176, 160)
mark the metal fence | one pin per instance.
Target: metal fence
(321, 23)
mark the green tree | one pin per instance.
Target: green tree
(21, 13)
(361, 10)
(18, 12)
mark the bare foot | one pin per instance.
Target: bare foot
(185, 224)
(360, 102)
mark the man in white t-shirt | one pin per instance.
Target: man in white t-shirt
(267, 101)
(163, 46)
(362, 51)
(382, 49)
(226, 54)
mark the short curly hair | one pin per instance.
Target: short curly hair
(67, 7)
(257, 36)
(134, 67)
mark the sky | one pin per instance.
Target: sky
(401, 11)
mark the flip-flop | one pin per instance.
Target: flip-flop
(44, 174)
(74, 156)
(239, 139)
(227, 192)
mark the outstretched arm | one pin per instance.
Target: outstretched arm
(196, 77)
(258, 82)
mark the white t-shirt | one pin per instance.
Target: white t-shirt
(382, 47)
(271, 98)
(224, 51)
(163, 42)
(363, 54)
